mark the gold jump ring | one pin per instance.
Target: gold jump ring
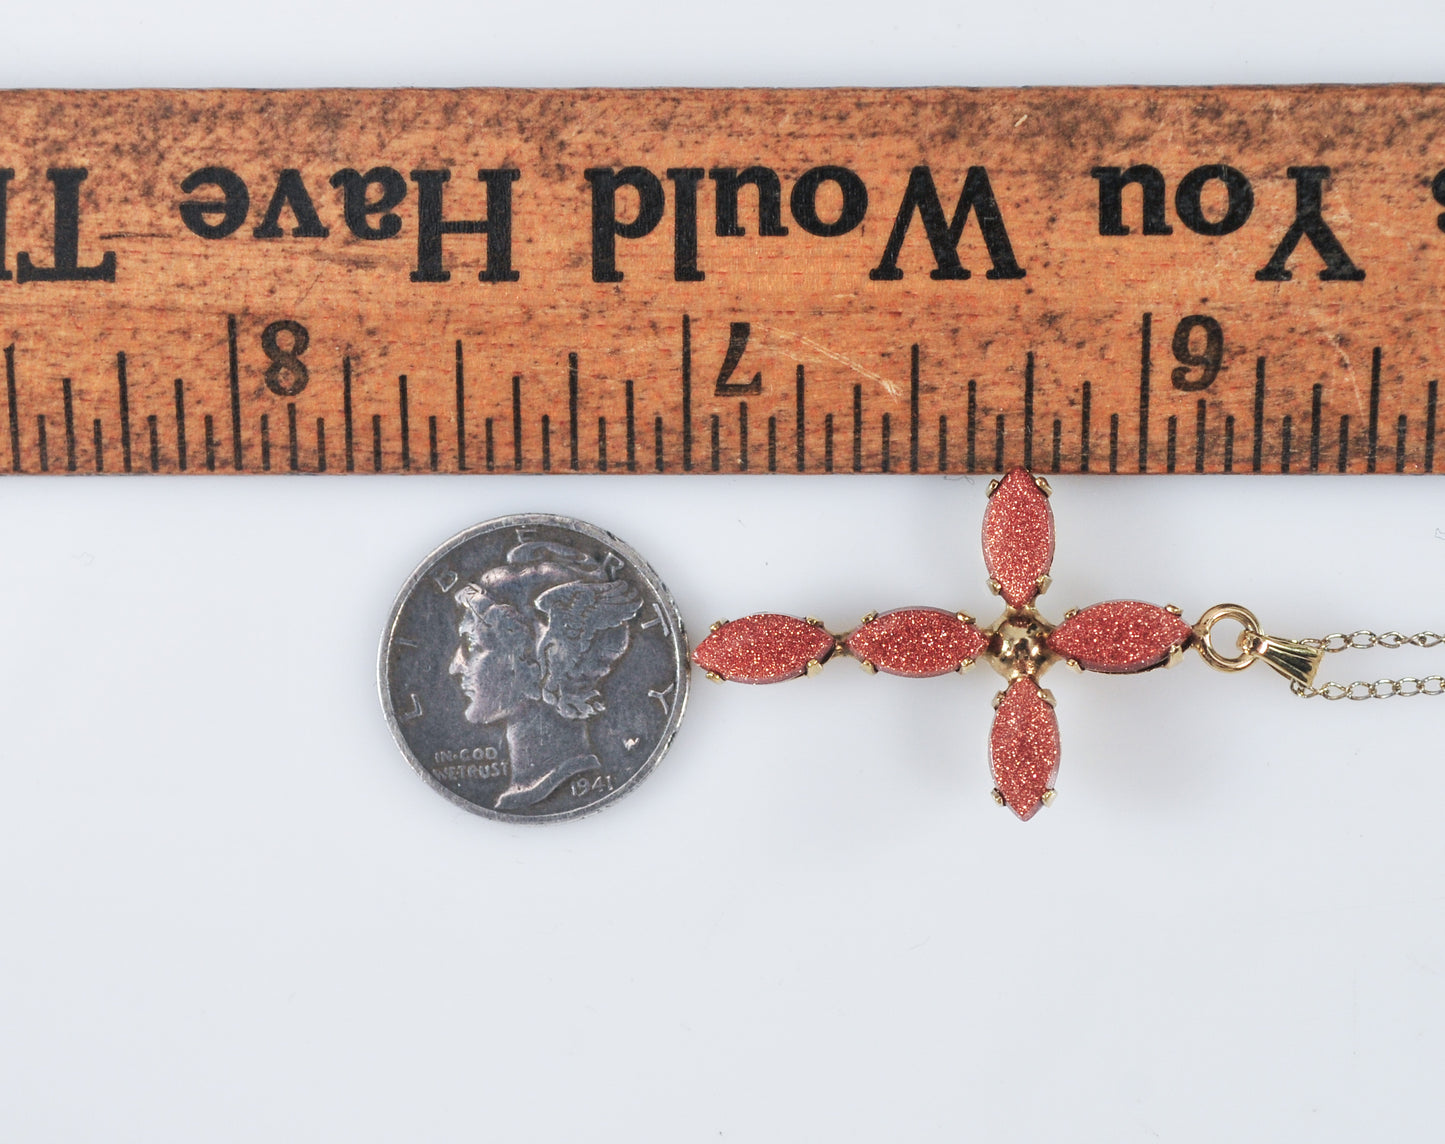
(1204, 633)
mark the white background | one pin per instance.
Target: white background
(230, 911)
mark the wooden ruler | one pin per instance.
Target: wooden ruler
(1078, 280)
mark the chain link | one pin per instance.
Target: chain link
(1363, 640)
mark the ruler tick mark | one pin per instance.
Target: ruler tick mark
(657, 459)
(998, 443)
(1146, 335)
(1058, 439)
(1199, 423)
(181, 453)
(546, 443)
(233, 355)
(293, 446)
(433, 460)
(6, 174)
(1344, 443)
(913, 385)
(41, 443)
(1113, 442)
(461, 413)
(402, 408)
(886, 442)
(601, 444)
(68, 399)
(210, 433)
(1286, 430)
(800, 431)
(265, 443)
(124, 390)
(1373, 442)
(1085, 401)
(1229, 443)
(12, 398)
(1316, 399)
(517, 422)
(687, 396)
(153, 431)
(572, 408)
(631, 429)
(1028, 412)
(943, 442)
(713, 423)
(376, 442)
(321, 444)
(349, 442)
(1431, 400)
(972, 458)
(99, 434)
(1401, 428)
(1258, 414)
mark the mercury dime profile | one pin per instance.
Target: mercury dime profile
(534, 668)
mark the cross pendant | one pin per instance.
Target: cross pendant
(1118, 637)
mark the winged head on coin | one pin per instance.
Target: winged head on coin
(538, 635)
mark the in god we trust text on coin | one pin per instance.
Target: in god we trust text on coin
(534, 668)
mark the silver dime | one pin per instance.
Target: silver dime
(534, 668)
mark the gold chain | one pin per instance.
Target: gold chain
(1381, 688)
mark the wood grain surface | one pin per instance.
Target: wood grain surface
(1275, 304)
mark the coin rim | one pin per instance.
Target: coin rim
(679, 643)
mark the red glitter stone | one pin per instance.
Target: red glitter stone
(766, 648)
(1120, 636)
(1024, 748)
(916, 642)
(1018, 537)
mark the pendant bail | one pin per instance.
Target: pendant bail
(1295, 661)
